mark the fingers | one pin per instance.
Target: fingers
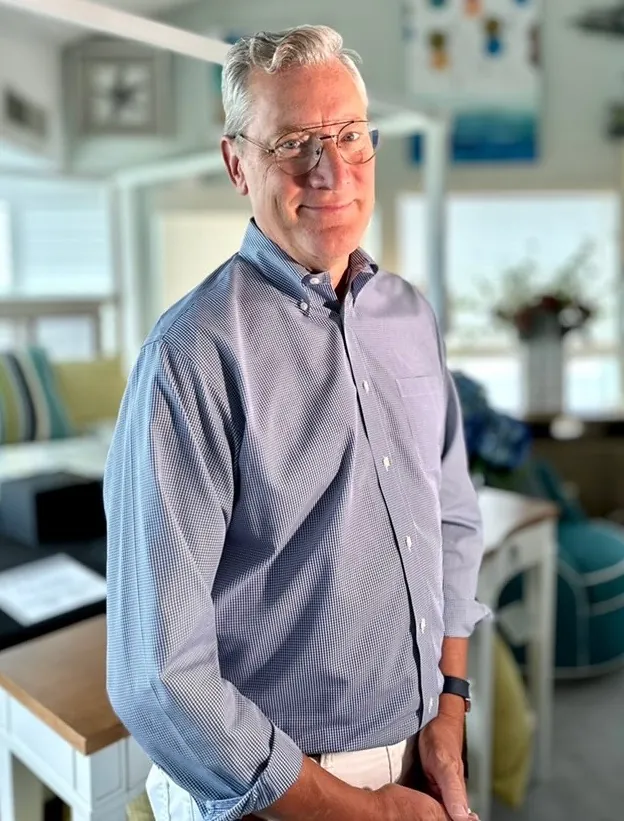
(454, 797)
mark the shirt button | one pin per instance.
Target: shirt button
(423, 625)
(304, 306)
(366, 386)
(408, 542)
(386, 462)
(314, 281)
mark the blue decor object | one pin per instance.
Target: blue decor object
(489, 136)
(493, 45)
(493, 439)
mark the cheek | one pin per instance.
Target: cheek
(287, 196)
(365, 179)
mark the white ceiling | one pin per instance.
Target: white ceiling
(28, 25)
(144, 6)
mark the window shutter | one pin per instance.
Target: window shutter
(61, 237)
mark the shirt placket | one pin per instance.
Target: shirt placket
(394, 494)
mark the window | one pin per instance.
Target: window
(61, 237)
(6, 256)
(486, 234)
(54, 245)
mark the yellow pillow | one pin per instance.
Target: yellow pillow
(139, 809)
(92, 391)
(514, 729)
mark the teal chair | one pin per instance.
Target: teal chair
(589, 637)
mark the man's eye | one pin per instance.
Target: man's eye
(351, 137)
(293, 143)
(290, 145)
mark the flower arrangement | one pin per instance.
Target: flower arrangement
(536, 308)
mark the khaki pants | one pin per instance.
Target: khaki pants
(372, 768)
(366, 768)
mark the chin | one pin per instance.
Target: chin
(336, 240)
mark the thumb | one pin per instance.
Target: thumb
(454, 797)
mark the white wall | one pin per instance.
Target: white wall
(31, 67)
(192, 245)
(583, 74)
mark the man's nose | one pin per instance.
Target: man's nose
(331, 170)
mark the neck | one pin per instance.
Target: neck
(339, 272)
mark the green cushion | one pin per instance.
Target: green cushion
(30, 405)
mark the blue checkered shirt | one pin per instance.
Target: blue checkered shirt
(292, 529)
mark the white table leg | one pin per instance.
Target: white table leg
(21, 792)
(540, 596)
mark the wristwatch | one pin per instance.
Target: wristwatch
(458, 687)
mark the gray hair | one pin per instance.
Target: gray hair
(272, 52)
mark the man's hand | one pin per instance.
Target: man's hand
(398, 803)
(317, 795)
(440, 749)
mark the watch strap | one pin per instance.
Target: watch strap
(457, 687)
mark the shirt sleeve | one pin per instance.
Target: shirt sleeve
(169, 490)
(462, 531)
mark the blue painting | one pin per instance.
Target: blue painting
(489, 137)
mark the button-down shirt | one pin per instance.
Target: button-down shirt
(292, 526)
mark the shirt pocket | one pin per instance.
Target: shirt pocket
(423, 402)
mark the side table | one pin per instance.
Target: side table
(519, 535)
(57, 728)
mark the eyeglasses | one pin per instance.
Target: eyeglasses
(300, 152)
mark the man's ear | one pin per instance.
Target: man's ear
(233, 165)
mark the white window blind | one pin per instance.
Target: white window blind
(61, 237)
(6, 256)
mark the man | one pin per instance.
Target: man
(294, 539)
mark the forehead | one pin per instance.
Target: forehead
(304, 96)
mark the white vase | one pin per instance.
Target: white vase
(543, 375)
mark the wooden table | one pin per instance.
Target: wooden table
(57, 728)
(519, 535)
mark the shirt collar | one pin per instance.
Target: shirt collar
(284, 272)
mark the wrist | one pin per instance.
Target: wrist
(383, 809)
(452, 706)
(458, 689)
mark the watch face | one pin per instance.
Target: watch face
(119, 95)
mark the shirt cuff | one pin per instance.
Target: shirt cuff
(280, 773)
(461, 616)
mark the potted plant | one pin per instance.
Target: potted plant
(554, 308)
(542, 312)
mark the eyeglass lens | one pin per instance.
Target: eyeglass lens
(298, 153)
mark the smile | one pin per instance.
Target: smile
(329, 208)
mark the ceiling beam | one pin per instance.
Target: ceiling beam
(107, 20)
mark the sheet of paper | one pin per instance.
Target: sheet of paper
(46, 588)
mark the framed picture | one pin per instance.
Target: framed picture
(123, 89)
